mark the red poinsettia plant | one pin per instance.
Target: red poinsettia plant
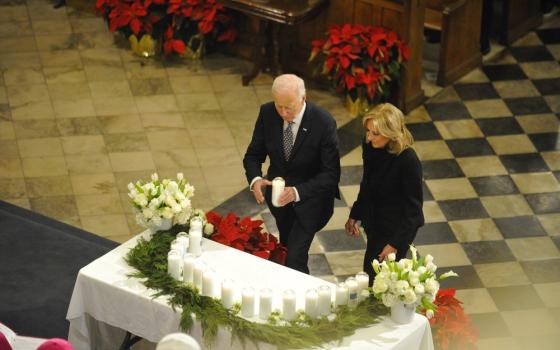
(361, 60)
(452, 328)
(175, 22)
(246, 235)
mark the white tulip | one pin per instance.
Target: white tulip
(375, 265)
(400, 265)
(155, 177)
(429, 313)
(180, 176)
(431, 286)
(131, 187)
(414, 251)
(421, 270)
(389, 299)
(148, 213)
(379, 286)
(449, 273)
(391, 257)
(167, 213)
(208, 229)
(428, 259)
(419, 289)
(431, 267)
(413, 281)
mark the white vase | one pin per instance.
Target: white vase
(165, 225)
(402, 313)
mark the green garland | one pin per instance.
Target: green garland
(150, 259)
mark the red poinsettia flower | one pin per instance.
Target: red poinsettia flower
(360, 59)
(246, 235)
(452, 328)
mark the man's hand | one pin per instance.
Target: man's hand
(351, 227)
(388, 249)
(288, 196)
(258, 189)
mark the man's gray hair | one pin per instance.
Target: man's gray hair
(288, 82)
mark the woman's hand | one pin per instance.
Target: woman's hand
(388, 249)
(351, 227)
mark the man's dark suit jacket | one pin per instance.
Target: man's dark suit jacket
(389, 203)
(313, 167)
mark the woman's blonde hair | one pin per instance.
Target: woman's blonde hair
(388, 120)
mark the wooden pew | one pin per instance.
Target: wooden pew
(514, 18)
(459, 24)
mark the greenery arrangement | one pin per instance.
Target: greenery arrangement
(360, 60)
(149, 258)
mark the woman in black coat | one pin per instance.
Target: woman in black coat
(389, 204)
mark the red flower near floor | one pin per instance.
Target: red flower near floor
(361, 60)
(452, 328)
(246, 235)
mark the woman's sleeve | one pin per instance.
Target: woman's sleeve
(411, 182)
(357, 209)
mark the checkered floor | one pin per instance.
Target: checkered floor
(491, 158)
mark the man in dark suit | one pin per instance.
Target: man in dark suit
(301, 141)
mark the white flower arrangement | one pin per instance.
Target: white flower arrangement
(157, 200)
(411, 281)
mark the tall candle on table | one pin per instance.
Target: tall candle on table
(324, 302)
(248, 302)
(174, 264)
(352, 285)
(363, 282)
(289, 305)
(183, 239)
(195, 237)
(228, 293)
(341, 294)
(278, 185)
(188, 268)
(199, 268)
(265, 303)
(208, 283)
(311, 303)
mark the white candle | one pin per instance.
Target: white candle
(188, 268)
(178, 247)
(208, 283)
(278, 185)
(265, 303)
(352, 285)
(324, 302)
(195, 240)
(228, 293)
(289, 305)
(195, 224)
(174, 264)
(248, 302)
(311, 303)
(199, 268)
(363, 282)
(341, 294)
(183, 239)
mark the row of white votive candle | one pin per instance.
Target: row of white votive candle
(317, 301)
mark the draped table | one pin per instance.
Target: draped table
(105, 303)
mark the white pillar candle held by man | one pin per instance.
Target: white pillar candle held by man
(289, 305)
(208, 283)
(188, 268)
(341, 294)
(352, 285)
(325, 299)
(199, 268)
(248, 302)
(265, 303)
(311, 303)
(228, 293)
(174, 264)
(278, 185)
(195, 237)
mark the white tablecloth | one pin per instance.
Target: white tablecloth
(104, 295)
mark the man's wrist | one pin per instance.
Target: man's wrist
(255, 179)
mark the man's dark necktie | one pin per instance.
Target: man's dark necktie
(288, 140)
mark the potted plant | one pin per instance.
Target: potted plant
(181, 27)
(361, 61)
